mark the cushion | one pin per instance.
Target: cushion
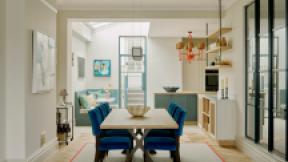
(115, 143)
(91, 101)
(160, 143)
(83, 101)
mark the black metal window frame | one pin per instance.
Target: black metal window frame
(271, 16)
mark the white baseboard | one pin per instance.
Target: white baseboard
(256, 152)
(42, 153)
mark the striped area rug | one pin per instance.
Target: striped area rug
(196, 152)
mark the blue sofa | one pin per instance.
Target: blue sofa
(81, 114)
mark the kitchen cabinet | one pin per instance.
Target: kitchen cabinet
(218, 118)
(188, 101)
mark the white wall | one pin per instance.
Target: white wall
(104, 45)
(15, 80)
(194, 76)
(162, 59)
(2, 81)
(40, 108)
(163, 66)
(79, 49)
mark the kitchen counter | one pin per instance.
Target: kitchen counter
(186, 93)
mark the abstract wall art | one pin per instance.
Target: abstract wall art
(102, 68)
(44, 63)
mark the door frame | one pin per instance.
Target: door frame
(120, 68)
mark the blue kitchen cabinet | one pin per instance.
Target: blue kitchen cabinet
(187, 101)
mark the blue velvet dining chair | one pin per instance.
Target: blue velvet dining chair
(172, 107)
(105, 143)
(105, 110)
(169, 143)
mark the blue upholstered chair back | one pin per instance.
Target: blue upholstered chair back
(105, 109)
(96, 120)
(179, 117)
(171, 108)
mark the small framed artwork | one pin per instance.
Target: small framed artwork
(81, 67)
(102, 68)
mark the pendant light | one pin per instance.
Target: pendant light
(186, 49)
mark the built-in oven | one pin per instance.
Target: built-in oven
(211, 80)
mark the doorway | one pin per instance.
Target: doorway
(266, 74)
(132, 71)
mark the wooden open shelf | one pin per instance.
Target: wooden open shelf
(217, 49)
(216, 34)
(218, 66)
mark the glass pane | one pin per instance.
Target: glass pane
(126, 44)
(264, 77)
(132, 73)
(279, 13)
(280, 78)
(279, 113)
(250, 75)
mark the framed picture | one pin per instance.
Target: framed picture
(81, 67)
(102, 68)
(44, 63)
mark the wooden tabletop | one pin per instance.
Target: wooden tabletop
(154, 119)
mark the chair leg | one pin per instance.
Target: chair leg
(97, 156)
(145, 156)
(176, 157)
(177, 153)
(102, 156)
(172, 154)
(97, 153)
(128, 156)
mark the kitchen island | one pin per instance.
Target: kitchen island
(186, 99)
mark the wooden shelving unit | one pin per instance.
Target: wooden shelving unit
(217, 118)
(212, 38)
(216, 34)
(217, 49)
(219, 67)
(208, 116)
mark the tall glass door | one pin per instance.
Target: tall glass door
(266, 74)
(132, 71)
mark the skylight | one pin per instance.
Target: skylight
(95, 25)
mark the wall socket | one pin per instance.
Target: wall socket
(42, 138)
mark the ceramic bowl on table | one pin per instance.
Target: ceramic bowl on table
(170, 89)
(138, 110)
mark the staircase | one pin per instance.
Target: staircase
(135, 97)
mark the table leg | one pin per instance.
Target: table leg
(139, 144)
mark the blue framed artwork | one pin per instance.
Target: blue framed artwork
(102, 68)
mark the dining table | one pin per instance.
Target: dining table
(153, 119)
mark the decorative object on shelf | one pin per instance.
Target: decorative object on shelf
(221, 42)
(44, 63)
(63, 93)
(138, 110)
(65, 123)
(224, 62)
(102, 68)
(189, 55)
(137, 53)
(226, 88)
(222, 89)
(171, 89)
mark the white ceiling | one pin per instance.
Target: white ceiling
(169, 27)
(180, 27)
(176, 5)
